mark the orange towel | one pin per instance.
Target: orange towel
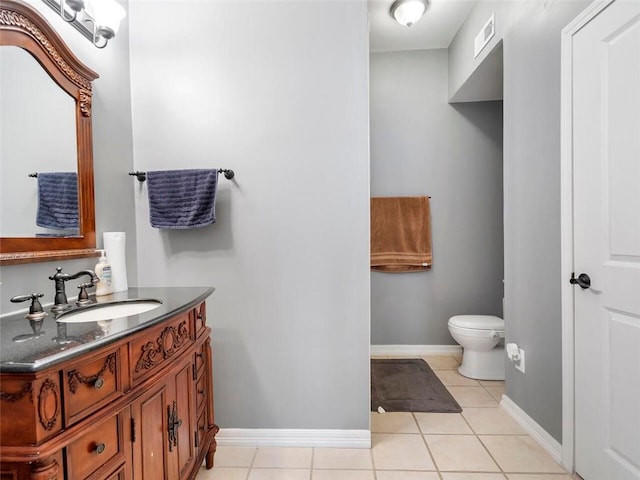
(400, 234)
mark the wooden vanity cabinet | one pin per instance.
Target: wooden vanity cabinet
(140, 408)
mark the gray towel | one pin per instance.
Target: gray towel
(58, 200)
(180, 199)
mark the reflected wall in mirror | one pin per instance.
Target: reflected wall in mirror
(48, 145)
(45, 127)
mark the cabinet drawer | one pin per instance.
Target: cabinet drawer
(201, 392)
(160, 347)
(202, 428)
(200, 358)
(101, 447)
(91, 384)
(200, 318)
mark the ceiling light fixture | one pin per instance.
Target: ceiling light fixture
(408, 12)
(106, 15)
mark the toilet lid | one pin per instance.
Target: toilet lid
(478, 322)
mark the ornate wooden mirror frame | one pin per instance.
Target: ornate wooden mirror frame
(23, 26)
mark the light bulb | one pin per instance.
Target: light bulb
(107, 15)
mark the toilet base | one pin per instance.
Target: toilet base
(483, 365)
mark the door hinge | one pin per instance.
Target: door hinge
(133, 430)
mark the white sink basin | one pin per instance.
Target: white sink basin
(108, 311)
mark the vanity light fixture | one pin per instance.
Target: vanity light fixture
(104, 15)
(408, 12)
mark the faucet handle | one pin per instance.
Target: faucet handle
(36, 312)
(83, 296)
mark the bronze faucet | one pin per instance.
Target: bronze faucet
(60, 302)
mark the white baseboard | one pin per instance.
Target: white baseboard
(415, 350)
(268, 437)
(539, 434)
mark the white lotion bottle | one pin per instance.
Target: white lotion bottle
(115, 246)
(103, 271)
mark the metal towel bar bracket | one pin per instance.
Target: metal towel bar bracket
(142, 176)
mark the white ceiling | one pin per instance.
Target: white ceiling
(435, 29)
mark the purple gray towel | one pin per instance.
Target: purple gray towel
(58, 200)
(181, 199)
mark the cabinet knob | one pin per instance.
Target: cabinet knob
(100, 448)
(99, 383)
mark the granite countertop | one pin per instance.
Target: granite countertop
(59, 341)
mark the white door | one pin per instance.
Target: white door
(606, 163)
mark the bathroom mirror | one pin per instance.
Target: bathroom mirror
(46, 127)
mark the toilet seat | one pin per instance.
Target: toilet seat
(477, 322)
(477, 332)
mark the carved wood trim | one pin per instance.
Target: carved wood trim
(47, 256)
(85, 102)
(75, 378)
(46, 469)
(167, 344)
(213, 445)
(48, 419)
(10, 18)
(14, 397)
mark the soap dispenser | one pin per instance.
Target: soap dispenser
(103, 271)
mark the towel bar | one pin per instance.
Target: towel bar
(142, 176)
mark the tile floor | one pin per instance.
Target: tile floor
(481, 443)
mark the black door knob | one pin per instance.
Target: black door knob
(583, 280)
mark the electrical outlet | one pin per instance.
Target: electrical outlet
(520, 365)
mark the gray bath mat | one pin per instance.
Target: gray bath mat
(408, 385)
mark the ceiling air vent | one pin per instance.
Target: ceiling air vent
(485, 35)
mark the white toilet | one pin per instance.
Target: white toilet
(482, 340)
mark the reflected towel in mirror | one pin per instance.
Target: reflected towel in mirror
(58, 200)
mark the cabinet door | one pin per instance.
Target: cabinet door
(149, 435)
(164, 426)
(183, 445)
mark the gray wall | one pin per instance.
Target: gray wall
(530, 32)
(113, 159)
(532, 207)
(420, 144)
(276, 91)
